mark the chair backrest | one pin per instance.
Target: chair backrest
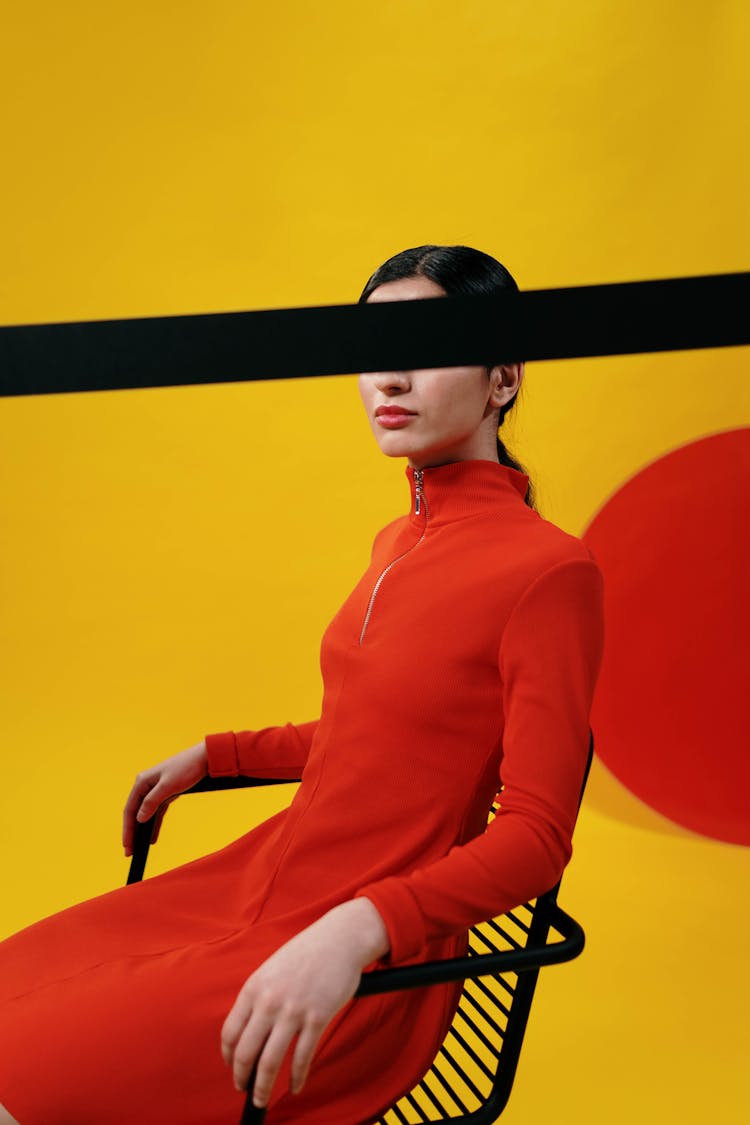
(471, 1077)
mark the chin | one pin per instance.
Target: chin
(396, 447)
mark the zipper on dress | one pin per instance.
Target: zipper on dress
(418, 487)
(420, 500)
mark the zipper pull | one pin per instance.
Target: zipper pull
(418, 486)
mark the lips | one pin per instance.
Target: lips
(393, 417)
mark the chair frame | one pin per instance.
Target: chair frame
(526, 961)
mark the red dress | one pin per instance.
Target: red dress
(465, 658)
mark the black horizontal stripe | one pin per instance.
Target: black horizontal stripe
(641, 316)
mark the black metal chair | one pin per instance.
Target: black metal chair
(471, 1077)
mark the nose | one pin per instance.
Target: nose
(392, 382)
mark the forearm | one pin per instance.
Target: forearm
(279, 751)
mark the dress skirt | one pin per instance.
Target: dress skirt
(111, 1011)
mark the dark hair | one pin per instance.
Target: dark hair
(460, 271)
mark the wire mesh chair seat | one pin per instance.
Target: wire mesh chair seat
(471, 1077)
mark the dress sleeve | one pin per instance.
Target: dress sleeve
(270, 752)
(549, 659)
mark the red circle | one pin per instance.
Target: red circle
(671, 713)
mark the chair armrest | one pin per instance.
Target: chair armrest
(242, 781)
(533, 956)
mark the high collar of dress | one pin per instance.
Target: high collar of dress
(465, 488)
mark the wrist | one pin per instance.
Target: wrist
(365, 927)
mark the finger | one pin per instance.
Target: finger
(150, 803)
(137, 794)
(269, 1063)
(307, 1041)
(247, 1050)
(236, 1021)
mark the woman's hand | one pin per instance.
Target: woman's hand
(297, 991)
(161, 783)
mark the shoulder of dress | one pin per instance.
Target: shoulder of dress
(535, 542)
(540, 549)
(566, 547)
(391, 526)
(553, 544)
(389, 531)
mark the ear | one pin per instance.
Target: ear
(505, 383)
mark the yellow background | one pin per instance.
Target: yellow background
(170, 557)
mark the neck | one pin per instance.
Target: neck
(437, 461)
(479, 446)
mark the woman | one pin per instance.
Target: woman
(465, 659)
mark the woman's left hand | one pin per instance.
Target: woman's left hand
(297, 991)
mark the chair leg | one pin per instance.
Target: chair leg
(251, 1114)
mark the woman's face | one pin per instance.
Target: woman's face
(450, 409)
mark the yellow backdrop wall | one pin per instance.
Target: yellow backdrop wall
(171, 556)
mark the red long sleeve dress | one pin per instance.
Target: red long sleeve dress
(465, 659)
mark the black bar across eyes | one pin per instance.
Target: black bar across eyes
(592, 320)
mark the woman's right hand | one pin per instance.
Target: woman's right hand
(156, 788)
